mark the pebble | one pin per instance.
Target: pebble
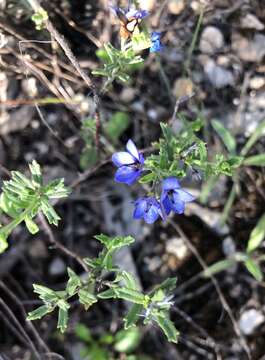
(57, 267)
(218, 75)
(250, 21)
(176, 246)
(175, 7)
(252, 50)
(250, 320)
(257, 82)
(183, 87)
(212, 40)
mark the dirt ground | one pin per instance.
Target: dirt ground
(225, 69)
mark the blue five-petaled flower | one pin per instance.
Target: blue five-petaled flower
(147, 208)
(130, 164)
(173, 198)
(156, 43)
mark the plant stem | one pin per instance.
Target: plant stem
(7, 229)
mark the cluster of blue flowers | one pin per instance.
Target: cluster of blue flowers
(138, 15)
(173, 198)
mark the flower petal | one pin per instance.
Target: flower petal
(166, 203)
(137, 14)
(127, 175)
(178, 207)
(131, 148)
(170, 183)
(140, 208)
(122, 158)
(151, 215)
(182, 195)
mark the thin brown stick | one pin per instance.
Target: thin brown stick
(222, 298)
(58, 245)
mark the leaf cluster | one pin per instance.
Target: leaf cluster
(152, 307)
(23, 198)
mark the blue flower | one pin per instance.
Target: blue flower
(173, 197)
(130, 164)
(156, 43)
(136, 14)
(147, 208)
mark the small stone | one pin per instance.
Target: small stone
(127, 95)
(183, 87)
(249, 50)
(212, 40)
(38, 250)
(218, 75)
(250, 21)
(57, 267)
(250, 320)
(257, 82)
(147, 4)
(175, 7)
(176, 246)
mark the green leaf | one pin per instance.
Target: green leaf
(129, 280)
(255, 160)
(218, 267)
(73, 283)
(167, 286)
(45, 294)
(257, 235)
(260, 131)
(128, 340)
(107, 294)
(36, 173)
(168, 327)
(115, 127)
(227, 138)
(31, 225)
(83, 333)
(3, 242)
(89, 157)
(86, 298)
(62, 319)
(254, 269)
(133, 315)
(131, 295)
(49, 212)
(40, 312)
(147, 178)
(116, 242)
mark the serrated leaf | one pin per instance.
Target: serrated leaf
(218, 267)
(39, 312)
(45, 294)
(257, 235)
(62, 319)
(31, 225)
(227, 138)
(255, 160)
(86, 298)
(254, 269)
(36, 173)
(49, 212)
(107, 294)
(129, 280)
(131, 295)
(116, 242)
(73, 283)
(168, 328)
(133, 315)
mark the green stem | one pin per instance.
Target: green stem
(7, 229)
(228, 204)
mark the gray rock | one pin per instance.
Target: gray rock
(212, 40)
(57, 267)
(250, 320)
(218, 75)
